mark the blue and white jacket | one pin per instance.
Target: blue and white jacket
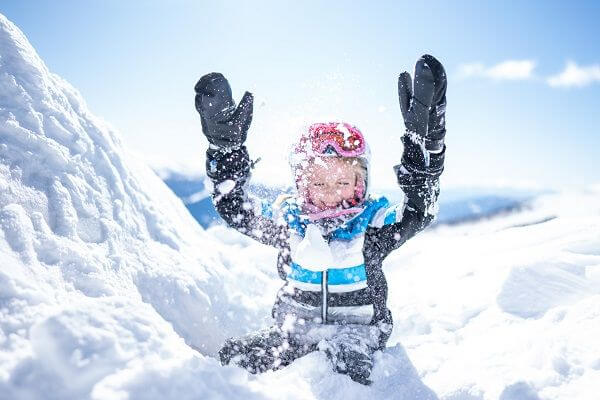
(342, 282)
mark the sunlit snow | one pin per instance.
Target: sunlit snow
(110, 289)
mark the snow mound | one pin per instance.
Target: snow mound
(531, 290)
(103, 272)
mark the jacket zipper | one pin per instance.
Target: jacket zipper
(324, 299)
(324, 278)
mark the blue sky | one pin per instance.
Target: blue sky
(136, 62)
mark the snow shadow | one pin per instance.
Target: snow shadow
(396, 377)
(393, 376)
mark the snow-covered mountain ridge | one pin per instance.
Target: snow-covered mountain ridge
(107, 284)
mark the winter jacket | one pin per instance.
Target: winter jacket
(352, 289)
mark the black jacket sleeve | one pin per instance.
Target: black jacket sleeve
(229, 171)
(421, 189)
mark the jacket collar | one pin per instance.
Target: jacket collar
(346, 230)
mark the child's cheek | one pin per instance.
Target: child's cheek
(349, 192)
(314, 194)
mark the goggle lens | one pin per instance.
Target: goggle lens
(347, 141)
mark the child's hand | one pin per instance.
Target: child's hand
(424, 106)
(223, 124)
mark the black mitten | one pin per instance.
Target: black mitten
(423, 106)
(223, 124)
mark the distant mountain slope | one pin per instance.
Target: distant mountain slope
(455, 206)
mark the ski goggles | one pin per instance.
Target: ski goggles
(340, 138)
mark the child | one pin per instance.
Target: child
(332, 236)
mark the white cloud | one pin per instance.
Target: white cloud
(512, 70)
(574, 75)
(506, 70)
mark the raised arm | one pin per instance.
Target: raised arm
(423, 106)
(228, 164)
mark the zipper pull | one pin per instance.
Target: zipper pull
(324, 279)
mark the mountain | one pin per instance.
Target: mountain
(457, 205)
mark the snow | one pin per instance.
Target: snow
(225, 186)
(109, 289)
(313, 251)
(512, 300)
(102, 269)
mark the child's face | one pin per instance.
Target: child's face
(330, 181)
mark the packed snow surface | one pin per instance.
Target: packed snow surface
(109, 289)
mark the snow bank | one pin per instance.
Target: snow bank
(105, 278)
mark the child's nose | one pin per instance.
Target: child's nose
(332, 195)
